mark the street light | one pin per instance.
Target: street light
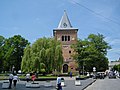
(83, 68)
(94, 70)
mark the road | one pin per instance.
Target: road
(70, 85)
(105, 84)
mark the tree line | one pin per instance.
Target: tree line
(45, 54)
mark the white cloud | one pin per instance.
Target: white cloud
(114, 53)
(115, 50)
(113, 41)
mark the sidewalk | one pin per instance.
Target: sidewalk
(70, 84)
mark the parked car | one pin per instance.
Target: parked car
(111, 75)
(99, 75)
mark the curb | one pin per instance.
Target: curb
(89, 84)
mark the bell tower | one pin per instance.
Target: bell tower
(67, 35)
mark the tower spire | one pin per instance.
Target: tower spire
(64, 22)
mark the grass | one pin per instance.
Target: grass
(47, 77)
(83, 76)
(3, 77)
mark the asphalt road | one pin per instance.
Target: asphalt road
(70, 85)
(105, 84)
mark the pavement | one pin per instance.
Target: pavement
(69, 82)
(105, 84)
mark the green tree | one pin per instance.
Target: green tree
(26, 60)
(58, 58)
(92, 52)
(116, 67)
(13, 50)
(2, 40)
(46, 56)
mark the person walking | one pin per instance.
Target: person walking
(33, 77)
(27, 77)
(10, 80)
(59, 87)
(15, 79)
(70, 74)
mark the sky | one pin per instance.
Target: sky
(33, 19)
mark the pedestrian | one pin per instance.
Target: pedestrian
(15, 79)
(10, 80)
(71, 74)
(59, 87)
(33, 77)
(27, 77)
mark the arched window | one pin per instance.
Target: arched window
(65, 68)
(62, 38)
(68, 38)
(65, 38)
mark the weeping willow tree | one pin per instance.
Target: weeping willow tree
(45, 55)
(27, 60)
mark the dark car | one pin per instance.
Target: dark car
(111, 75)
(99, 75)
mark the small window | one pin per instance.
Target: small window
(65, 38)
(68, 38)
(62, 38)
(69, 51)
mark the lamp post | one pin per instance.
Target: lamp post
(83, 68)
(94, 70)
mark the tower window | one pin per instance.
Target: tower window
(65, 38)
(69, 51)
(62, 38)
(68, 38)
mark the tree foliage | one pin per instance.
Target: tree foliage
(13, 52)
(45, 55)
(92, 52)
(2, 40)
(116, 67)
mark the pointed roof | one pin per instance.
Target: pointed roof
(64, 22)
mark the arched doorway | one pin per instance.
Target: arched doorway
(65, 68)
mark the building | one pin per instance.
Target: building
(67, 35)
(113, 63)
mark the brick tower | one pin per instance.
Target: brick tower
(67, 35)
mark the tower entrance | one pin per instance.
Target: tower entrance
(65, 68)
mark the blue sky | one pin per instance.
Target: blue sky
(33, 19)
